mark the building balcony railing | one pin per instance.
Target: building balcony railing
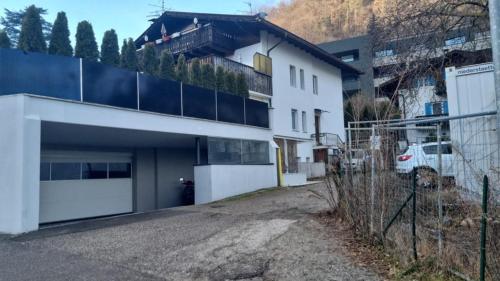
(89, 82)
(201, 41)
(256, 81)
(327, 139)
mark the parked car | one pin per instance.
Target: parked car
(422, 159)
(359, 159)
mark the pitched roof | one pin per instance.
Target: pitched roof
(256, 21)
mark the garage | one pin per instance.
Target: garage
(84, 184)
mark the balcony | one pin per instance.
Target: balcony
(327, 139)
(89, 82)
(256, 81)
(200, 42)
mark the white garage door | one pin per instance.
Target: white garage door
(75, 185)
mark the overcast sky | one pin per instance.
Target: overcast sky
(128, 17)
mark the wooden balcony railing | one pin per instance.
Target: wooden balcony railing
(256, 81)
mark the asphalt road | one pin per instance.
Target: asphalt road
(271, 235)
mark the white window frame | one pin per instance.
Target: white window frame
(304, 121)
(293, 76)
(315, 84)
(302, 79)
(295, 119)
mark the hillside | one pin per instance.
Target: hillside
(325, 20)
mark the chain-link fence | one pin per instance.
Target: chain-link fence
(418, 185)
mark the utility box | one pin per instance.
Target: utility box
(474, 140)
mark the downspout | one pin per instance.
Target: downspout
(275, 45)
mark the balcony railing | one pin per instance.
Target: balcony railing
(256, 81)
(91, 82)
(327, 139)
(204, 40)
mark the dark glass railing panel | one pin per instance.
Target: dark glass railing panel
(198, 102)
(39, 74)
(257, 113)
(109, 85)
(230, 108)
(159, 95)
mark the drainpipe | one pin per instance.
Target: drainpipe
(275, 45)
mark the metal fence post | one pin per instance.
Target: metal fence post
(414, 216)
(372, 180)
(349, 156)
(439, 189)
(484, 221)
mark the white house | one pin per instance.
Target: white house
(80, 139)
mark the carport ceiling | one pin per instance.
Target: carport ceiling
(80, 135)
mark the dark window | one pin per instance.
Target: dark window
(224, 151)
(293, 76)
(94, 170)
(120, 170)
(432, 149)
(255, 152)
(65, 171)
(44, 171)
(302, 80)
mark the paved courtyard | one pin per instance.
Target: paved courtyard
(270, 235)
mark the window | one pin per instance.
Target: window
(432, 149)
(120, 170)
(384, 53)
(255, 152)
(294, 120)
(263, 64)
(315, 84)
(293, 76)
(347, 58)
(94, 170)
(302, 80)
(44, 171)
(454, 41)
(65, 171)
(304, 121)
(224, 151)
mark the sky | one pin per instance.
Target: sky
(128, 17)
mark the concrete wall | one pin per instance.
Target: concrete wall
(216, 182)
(19, 166)
(145, 179)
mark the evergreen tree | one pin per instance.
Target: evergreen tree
(181, 69)
(86, 46)
(167, 66)
(230, 83)
(208, 76)
(109, 48)
(12, 21)
(129, 56)
(195, 74)
(4, 40)
(220, 78)
(31, 37)
(241, 85)
(59, 39)
(149, 60)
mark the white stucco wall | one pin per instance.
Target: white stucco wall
(216, 182)
(19, 166)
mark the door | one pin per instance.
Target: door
(84, 185)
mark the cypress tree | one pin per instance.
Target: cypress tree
(230, 83)
(167, 66)
(241, 85)
(128, 57)
(195, 74)
(123, 52)
(109, 48)
(208, 76)
(4, 40)
(86, 46)
(220, 78)
(149, 60)
(59, 39)
(181, 69)
(31, 37)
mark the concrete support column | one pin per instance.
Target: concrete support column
(19, 167)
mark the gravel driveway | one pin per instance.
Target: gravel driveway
(270, 235)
